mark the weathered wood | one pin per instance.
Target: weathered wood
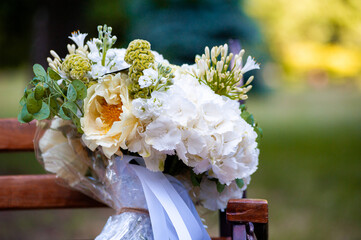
(247, 210)
(15, 136)
(40, 192)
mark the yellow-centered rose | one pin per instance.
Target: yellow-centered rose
(108, 120)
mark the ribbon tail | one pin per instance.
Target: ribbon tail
(167, 208)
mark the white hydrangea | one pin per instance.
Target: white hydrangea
(158, 58)
(204, 129)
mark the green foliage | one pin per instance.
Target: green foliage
(24, 116)
(220, 186)
(53, 75)
(248, 117)
(39, 71)
(196, 179)
(240, 182)
(71, 93)
(43, 113)
(81, 89)
(33, 105)
(44, 98)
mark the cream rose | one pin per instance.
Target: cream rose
(108, 120)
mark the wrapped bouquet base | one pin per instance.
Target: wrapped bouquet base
(148, 205)
(141, 135)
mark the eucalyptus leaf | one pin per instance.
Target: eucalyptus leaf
(23, 101)
(240, 182)
(53, 75)
(43, 113)
(39, 91)
(63, 115)
(39, 71)
(80, 88)
(24, 116)
(71, 94)
(71, 106)
(76, 122)
(33, 105)
(53, 103)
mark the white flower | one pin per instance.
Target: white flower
(62, 156)
(162, 134)
(78, 38)
(150, 77)
(250, 65)
(236, 155)
(114, 59)
(158, 58)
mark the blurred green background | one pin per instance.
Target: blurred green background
(307, 98)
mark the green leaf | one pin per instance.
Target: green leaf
(80, 88)
(23, 101)
(33, 105)
(71, 94)
(64, 115)
(259, 132)
(43, 113)
(76, 122)
(250, 120)
(242, 107)
(240, 182)
(245, 115)
(196, 179)
(53, 103)
(53, 75)
(248, 117)
(220, 187)
(24, 116)
(39, 71)
(37, 79)
(71, 106)
(39, 91)
(27, 92)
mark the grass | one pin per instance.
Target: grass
(309, 168)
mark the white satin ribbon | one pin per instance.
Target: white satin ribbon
(173, 216)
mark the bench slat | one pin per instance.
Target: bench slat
(247, 210)
(15, 136)
(40, 192)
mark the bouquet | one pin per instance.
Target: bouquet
(144, 136)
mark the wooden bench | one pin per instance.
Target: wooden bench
(42, 191)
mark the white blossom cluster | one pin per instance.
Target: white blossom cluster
(204, 129)
(188, 119)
